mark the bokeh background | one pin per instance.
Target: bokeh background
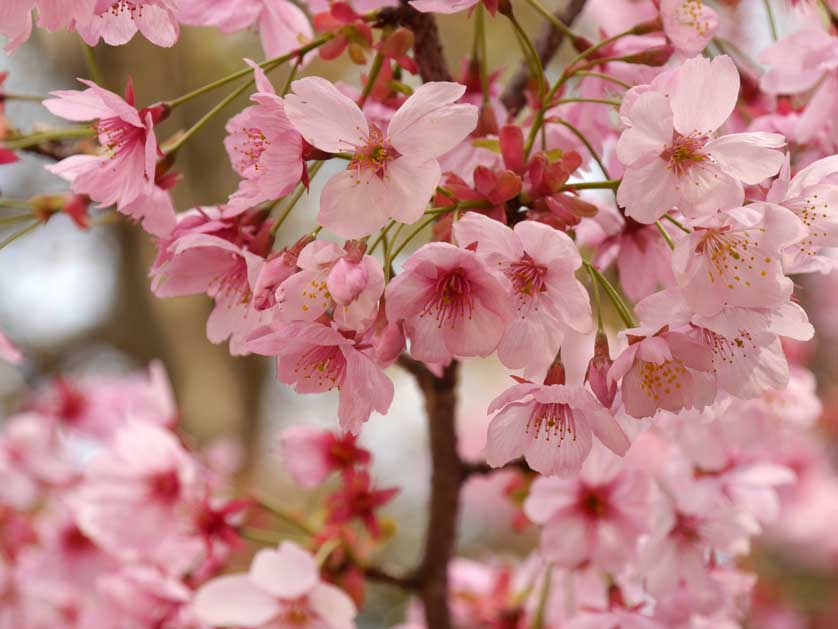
(78, 302)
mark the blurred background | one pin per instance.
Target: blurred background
(78, 302)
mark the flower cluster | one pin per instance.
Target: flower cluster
(625, 239)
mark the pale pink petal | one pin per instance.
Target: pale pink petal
(650, 131)
(303, 296)
(305, 455)
(407, 187)
(8, 351)
(326, 118)
(428, 124)
(495, 240)
(648, 191)
(547, 497)
(283, 27)
(748, 157)
(365, 390)
(507, 437)
(354, 204)
(560, 457)
(158, 25)
(234, 600)
(567, 544)
(690, 25)
(287, 573)
(333, 605)
(705, 94)
(442, 6)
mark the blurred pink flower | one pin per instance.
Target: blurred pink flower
(282, 588)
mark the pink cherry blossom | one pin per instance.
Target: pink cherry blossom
(315, 358)
(346, 283)
(551, 426)
(282, 25)
(393, 173)
(595, 517)
(689, 24)
(442, 6)
(8, 351)
(282, 588)
(194, 262)
(812, 194)
(135, 501)
(53, 15)
(540, 263)
(735, 259)
(310, 455)
(797, 62)
(452, 304)
(117, 21)
(666, 371)
(671, 157)
(747, 357)
(125, 171)
(264, 148)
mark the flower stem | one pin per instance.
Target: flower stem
(604, 77)
(294, 199)
(268, 64)
(613, 295)
(531, 54)
(65, 133)
(678, 224)
(19, 234)
(375, 70)
(185, 137)
(92, 65)
(665, 235)
(588, 145)
(611, 184)
(556, 22)
(601, 101)
(34, 98)
(771, 22)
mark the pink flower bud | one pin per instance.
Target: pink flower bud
(346, 281)
(597, 372)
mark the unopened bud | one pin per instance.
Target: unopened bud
(347, 280)
(555, 375)
(654, 56)
(650, 26)
(597, 374)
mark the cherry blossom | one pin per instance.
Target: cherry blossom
(452, 304)
(282, 587)
(314, 358)
(117, 21)
(392, 173)
(539, 263)
(551, 426)
(671, 156)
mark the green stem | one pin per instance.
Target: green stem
(534, 61)
(588, 145)
(92, 65)
(771, 23)
(291, 76)
(19, 234)
(17, 218)
(610, 184)
(34, 98)
(556, 22)
(481, 48)
(600, 101)
(613, 295)
(268, 64)
(381, 235)
(260, 535)
(375, 70)
(284, 515)
(678, 224)
(66, 133)
(665, 235)
(597, 302)
(538, 617)
(294, 199)
(17, 204)
(183, 139)
(604, 77)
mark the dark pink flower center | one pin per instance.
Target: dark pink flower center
(556, 419)
(164, 486)
(118, 136)
(325, 365)
(451, 299)
(593, 501)
(375, 154)
(527, 278)
(684, 152)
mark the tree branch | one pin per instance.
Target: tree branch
(547, 45)
(447, 476)
(427, 48)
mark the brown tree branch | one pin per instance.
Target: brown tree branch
(427, 47)
(448, 472)
(547, 45)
